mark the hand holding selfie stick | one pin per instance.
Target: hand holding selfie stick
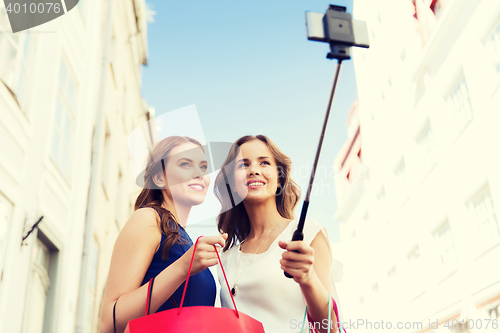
(338, 29)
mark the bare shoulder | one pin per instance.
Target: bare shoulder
(313, 224)
(132, 254)
(134, 247)
(319, 238)
(144, 217)
(312, 230)
(141, 227)
(320, 241)
(322, 257)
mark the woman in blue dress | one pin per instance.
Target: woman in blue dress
(154, 242)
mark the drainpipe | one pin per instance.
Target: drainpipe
(97, 157)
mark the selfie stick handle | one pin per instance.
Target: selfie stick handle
(299, 233)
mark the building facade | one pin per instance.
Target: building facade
(419, 206)
(69, 96)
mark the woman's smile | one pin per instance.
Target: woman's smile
(197, 187)
(255, 184)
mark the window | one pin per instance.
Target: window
(462, 107)
(402, 54)
(39, 288)
(414, 255)
(124, 109)
(415, 271)
(120, 198)
(427, 146)
(381, 194)
(5, 213)
(94, 264)
(493, 46)
(437, 7)
(63, 121)
(92, 291)
(392, 273)
(494, 312)
(414, 9)
(446, 247)
(414, 260)
(400, 173)
(82, 7)
(106, 168)
(419, 93)
(366, 217)
(113, 58)
(23, 73)
(486, 223)
(14, 59)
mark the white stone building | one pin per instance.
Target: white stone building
(420, 224)
(69, 96)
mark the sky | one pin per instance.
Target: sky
(249, 69)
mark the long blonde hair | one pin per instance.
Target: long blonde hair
(233, 219)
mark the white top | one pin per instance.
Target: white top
(263, 291)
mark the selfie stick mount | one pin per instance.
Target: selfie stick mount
(337, 29)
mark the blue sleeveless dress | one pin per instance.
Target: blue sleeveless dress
(201, 288)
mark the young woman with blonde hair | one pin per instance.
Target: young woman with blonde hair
(258, 197)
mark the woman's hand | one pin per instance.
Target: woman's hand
(205, 255)
(299, 265)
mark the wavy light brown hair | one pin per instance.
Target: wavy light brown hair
(233, 219)
(152, 196)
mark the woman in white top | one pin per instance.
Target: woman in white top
(258, 197)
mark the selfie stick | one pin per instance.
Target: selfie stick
(337, 28)
(298, 234)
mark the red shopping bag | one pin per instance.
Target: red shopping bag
(199, 319)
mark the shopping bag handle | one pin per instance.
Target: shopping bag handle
(189, 273)
(150, 291)
(227, 284)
